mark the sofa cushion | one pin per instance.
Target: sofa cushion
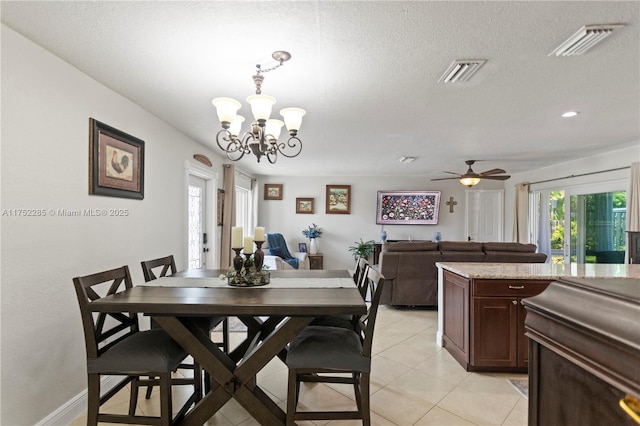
(517, 247)
(514, 257)
(460, 246)
(412, 246)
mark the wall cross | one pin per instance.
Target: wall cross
(451, 203)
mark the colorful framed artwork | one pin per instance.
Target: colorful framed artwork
(302, 247)
(116, 162)
(273, 191)
(408, 207)
(338, 199)
(304, 205)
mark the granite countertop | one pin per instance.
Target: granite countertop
(540, 270)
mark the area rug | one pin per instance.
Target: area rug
(521, 385)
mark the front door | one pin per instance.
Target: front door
(197, 246)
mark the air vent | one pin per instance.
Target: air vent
(461, 70)
(584, 39)
(406, 159)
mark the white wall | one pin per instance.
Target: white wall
(46, 105)
(340, 231)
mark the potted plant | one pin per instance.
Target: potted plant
(362, 249)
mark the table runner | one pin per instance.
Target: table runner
(275, 282)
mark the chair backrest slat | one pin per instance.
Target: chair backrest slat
(374, 283)
(167, 263)
(104, 330)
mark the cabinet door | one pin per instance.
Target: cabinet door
(456, 316)
(494, 337)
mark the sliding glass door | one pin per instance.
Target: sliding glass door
(597, 225)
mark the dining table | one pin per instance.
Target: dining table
(274, 314)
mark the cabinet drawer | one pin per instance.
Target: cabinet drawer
(516, 288)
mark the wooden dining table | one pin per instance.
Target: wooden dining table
(274, 314)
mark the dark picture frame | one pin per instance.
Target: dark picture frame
(220, 207)
(305, 205)
(338, 199)
(116, 162)
(273, 191)
(408, 207)
(302, 247)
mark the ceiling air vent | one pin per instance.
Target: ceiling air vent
(461, 70)
(584, 39)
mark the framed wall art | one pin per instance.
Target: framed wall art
(116, 162)
(302, 247)
(304, 205)
(408, 207)
(220, 207)
(273, 191)
(338, 199)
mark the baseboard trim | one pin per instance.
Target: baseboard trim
(77, 405)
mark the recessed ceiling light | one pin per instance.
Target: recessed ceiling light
(406, 159)
(570, 114)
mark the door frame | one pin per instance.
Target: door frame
(212, 260)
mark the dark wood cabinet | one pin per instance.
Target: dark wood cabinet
(484, 321)
(584, 352)
(316, 261)
(634, 246)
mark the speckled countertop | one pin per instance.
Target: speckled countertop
(540, 270)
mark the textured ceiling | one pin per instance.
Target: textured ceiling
(367, 72)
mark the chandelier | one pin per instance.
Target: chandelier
(262, 139)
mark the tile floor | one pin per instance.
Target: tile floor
(413, 382)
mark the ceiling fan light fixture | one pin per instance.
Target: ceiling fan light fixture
(469, 181)
(461, 70)
(584, 39)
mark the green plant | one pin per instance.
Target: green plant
(362, 248)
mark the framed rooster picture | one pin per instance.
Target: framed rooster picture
(116, 162)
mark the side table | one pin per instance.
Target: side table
(316, 261)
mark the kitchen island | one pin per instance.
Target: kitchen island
(481, 313)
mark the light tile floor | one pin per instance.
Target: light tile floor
(413, 382)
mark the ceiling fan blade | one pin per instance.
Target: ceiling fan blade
(503, 177)
(451, 173)
(492, 172)
(446, 178)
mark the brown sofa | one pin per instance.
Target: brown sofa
(411, 276)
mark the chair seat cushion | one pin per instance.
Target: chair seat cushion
(333, 348)
(152, 351)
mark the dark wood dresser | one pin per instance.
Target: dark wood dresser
(584, 351)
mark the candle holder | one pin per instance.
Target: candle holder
(237, 260)
(258, 256)
(248, 262)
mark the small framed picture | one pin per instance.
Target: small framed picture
(273, 191)
(302, 247)
(338, 199)
(304, 205)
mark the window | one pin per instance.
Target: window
(244, 203)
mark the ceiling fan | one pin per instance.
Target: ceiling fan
(471, 178)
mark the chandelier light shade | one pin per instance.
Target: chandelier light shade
(263, 137)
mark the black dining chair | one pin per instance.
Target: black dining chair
(166, 266)
(115, 346)
(322, 354)
(348, 321)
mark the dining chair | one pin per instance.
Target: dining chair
(322, 354)
(115, 346)
(166, 266)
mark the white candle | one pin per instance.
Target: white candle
(248, 245)
(236, 237)
(259, 233)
